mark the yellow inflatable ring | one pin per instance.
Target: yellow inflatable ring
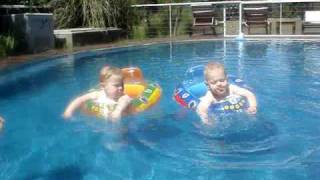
(144, 95)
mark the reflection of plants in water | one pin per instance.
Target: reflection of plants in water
(256, 50)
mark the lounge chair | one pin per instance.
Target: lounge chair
(256, 16)
(311, 24)
(203, 19)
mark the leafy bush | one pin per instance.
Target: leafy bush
(7, 45)
(139, 32)
(155, 22)
(91, 13)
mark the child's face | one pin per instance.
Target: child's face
(113, 86)
(217, 82)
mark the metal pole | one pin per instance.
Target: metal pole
(170, 25)
(280, 25)
(224, 21)
(30, 6)
(240, 19)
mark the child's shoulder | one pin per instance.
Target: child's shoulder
(93, 94)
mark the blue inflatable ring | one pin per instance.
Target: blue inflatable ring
(188, 93)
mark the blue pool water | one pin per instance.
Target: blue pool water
(166, 142)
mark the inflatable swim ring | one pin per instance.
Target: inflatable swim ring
(188, 93)
(144, 94)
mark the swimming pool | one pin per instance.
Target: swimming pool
(167, 142)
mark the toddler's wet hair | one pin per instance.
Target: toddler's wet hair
(107, 71)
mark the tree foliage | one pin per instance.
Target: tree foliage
(24, 2)
(91, 13)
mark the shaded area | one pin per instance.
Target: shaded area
(67, 172)
(32, 77)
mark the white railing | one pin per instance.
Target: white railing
(240, 5)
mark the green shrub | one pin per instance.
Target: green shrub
(7, 45)
(153, 23)
(139, 32)
(92, 13)
(185, 24)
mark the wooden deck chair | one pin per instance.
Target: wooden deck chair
(311, 23)
(256, 16)
(203, 19)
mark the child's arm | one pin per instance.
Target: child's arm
(1, 123)
(202, 109)
(252, 100)
(122, 105)
(76, 103)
